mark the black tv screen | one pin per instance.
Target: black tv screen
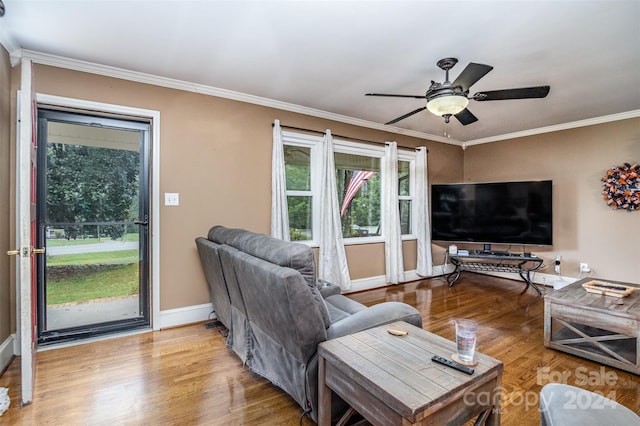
(518, 213)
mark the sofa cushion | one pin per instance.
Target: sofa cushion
(283, 253)
(341, 307)
(279, 305)
(372, 316)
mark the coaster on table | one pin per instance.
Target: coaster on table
(397, 331)
(459, 361)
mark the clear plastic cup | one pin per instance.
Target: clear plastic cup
(466, 334)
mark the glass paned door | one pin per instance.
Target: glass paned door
(93, 216)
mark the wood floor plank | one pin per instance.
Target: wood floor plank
(186, 375)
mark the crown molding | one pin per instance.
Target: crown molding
(93, 68)
(8, 42)
(109, 71)
(556, 128)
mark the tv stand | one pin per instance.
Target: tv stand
(495, 261)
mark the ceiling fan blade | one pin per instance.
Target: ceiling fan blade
(397, 96)
(522, 93)
(466, 117)
(470, 75)
(407, 115)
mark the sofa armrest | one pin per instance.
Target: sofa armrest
(327, 289)
(373, 316)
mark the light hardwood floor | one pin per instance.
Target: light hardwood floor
(186, 376)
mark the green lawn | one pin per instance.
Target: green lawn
(111, 257)
(118, 278)
(114, 282)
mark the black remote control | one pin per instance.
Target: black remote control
(452, 364)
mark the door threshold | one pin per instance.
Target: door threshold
(100, 338)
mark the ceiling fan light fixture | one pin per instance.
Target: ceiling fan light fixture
(447, 105)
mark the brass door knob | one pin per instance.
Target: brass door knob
(37, 251)
(13, 252)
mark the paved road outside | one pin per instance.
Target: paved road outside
(93, 312)
(92, 248)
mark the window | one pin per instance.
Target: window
(405, 196)
(299, 192)
(359, 181)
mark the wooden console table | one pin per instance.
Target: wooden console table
(491, 261)
(391, 380)
(605, 329)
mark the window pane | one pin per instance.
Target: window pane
(404, 182)
(405, 217)
(358, 182)
(297, 163)
(300, 218)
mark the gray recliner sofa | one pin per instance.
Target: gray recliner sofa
(265, 292)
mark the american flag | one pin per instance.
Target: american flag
(358, 178)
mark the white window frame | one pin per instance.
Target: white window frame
(410, 157)
(314, 143)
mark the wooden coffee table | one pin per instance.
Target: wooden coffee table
(391, 380)
(605, 329)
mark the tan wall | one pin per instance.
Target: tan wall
(585, 228)
(217, 154)
(6, 301)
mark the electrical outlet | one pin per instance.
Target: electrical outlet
(557, 264)
(584, 267)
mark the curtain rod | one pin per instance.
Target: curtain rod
(339, 136)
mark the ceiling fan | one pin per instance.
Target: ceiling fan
(447, 99)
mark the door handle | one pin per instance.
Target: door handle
(38, 251)
(144, 222)
(24, 252)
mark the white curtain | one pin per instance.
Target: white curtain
(424, 266)
(279, 209)
(394, 267)
(332, 260)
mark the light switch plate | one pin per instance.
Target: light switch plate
(171, 199)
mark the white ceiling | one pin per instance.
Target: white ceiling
(325, 55)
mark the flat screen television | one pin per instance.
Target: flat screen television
(508, 213)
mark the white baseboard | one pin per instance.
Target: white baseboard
(553, 280)
(367, 283)
(198, 313)
(7, 351)
(183, 316)
(370, 283)
(548, 280)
